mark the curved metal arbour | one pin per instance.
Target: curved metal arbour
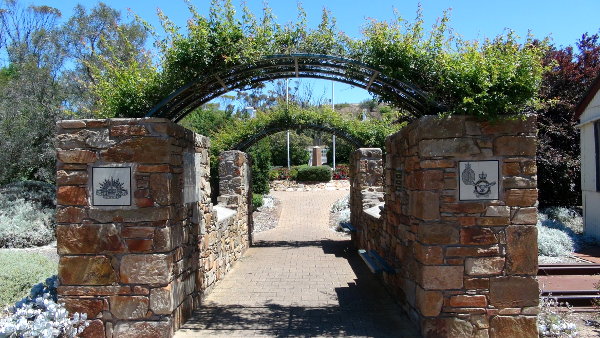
(270, 130)
(202, 90)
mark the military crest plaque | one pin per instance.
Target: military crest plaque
(478, 180)
(111, 186)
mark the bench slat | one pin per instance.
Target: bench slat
(371, 264)
(381, 262)
(349, 227)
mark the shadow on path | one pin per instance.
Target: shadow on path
(300, 279)
(364, 307)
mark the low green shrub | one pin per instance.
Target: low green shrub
(43, 193)
(273, 174)
(25, 223)
(279, 174)
(314, 174)
(260, 155)
(294, 171)
(20, 271)
(257, 201)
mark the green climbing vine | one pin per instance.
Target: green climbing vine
(495, 77)
(369, 133)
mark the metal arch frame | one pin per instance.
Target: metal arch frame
(205, 88)
(247, 143)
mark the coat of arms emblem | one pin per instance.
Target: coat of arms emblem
(481, 188)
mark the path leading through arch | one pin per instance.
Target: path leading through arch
(300, 279)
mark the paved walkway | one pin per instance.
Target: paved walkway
(300, 279)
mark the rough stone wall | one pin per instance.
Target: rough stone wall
(464, 268)
(366, 193)
(228, 237)
(138, 270)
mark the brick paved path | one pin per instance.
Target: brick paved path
(300, 279)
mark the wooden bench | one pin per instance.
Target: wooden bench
(375, 262)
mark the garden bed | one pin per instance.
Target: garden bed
(285, 185)
(266, 216)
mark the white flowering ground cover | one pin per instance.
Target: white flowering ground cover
(560, 233)
(340, 213)
(556, 319)
(39, 315)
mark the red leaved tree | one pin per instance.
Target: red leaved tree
(571, 72)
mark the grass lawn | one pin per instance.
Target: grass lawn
(19, 271)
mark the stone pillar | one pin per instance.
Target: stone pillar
(317, 156)
(234, 175)
(235, 180)
(131, 197)
(366, 182)
(466, 257)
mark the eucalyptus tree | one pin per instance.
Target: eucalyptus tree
(30, 90)
(93, 39)
(45, 76)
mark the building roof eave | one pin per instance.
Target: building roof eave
(587, 98)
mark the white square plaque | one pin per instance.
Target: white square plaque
(478, 180)
(111, 186)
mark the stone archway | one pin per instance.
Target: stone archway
(138, 262)
(140, 242)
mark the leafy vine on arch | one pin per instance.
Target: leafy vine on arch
(499, 76)
(242, 134)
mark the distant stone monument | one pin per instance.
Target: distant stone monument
(317, 158)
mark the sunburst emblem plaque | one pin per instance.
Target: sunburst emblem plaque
(111, 186)
(111, 189)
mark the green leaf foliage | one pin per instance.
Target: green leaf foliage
(257, 201)
(320, 173)
(572, 70)
(495, 77)
(299, 143)
(260, 155)
(207, 120)
(370, 133)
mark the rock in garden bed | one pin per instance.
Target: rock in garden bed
(267, 216)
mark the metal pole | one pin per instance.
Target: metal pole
(333, 108)
(332, 97)
(287, 104)
(333, 152)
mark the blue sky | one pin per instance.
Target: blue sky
(563, 20)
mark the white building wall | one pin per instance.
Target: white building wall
(590, 197)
